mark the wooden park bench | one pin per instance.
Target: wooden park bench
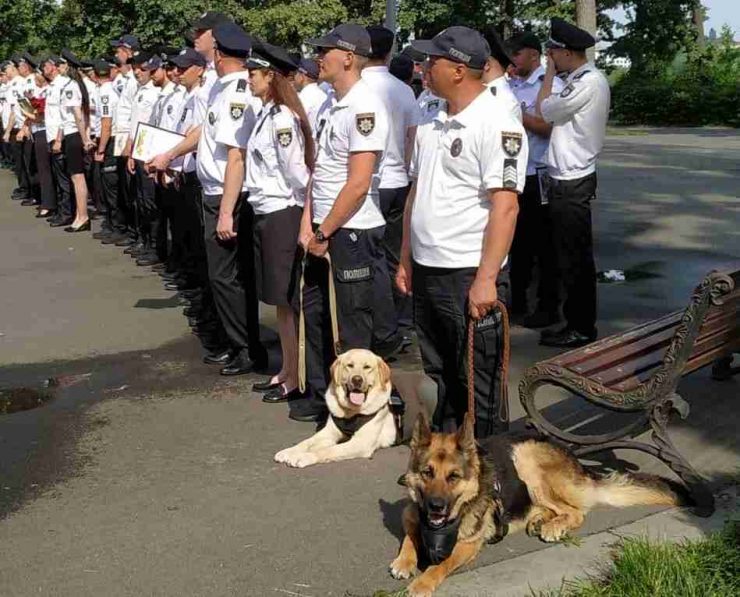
(638, 371)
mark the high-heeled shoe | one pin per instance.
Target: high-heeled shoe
(81, 228)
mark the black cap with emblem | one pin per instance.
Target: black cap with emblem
(527, 39)
(69, 57)
(266, 55)
(127, 41)
(349, 37)
(141, 58)
(459, 44)
(232, 40)
(496, 46)
(209, 20)
(565, 35)
(309, 67)
(101, 67)
(187, 58)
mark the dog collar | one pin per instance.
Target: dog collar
(439, 542)
(352, 425)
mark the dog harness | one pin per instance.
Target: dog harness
(352, 425)
(439, 542)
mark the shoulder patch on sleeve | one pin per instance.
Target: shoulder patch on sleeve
(567, 90)
(241, 86)
(236, 110)
(510, 173)
(365, 123)
(493, 90)
(512, 143)
(285, 137)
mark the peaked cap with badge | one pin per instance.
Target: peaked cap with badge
(266, 55)
(565, 35)
(526, 39)
(187, 58)
(349, 37)
(69, 57)
(232, 40)
(458, 44)
(210, 20)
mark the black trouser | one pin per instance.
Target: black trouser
(47, 194)
(441, 315)
(392, 311)
(570, 211)
(115, 219)
(21, 163)
(65, 199)
(127, 196)
(532, 246)
(354, 254)
(190, 204)
(231, 274)
(146, 208)
(171, 217)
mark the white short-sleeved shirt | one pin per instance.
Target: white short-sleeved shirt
(129, 87)
(93, 94)
(185, 120)
(456, 161)
(356, 123)
(277, 174)
(230, 118)
(141, 109)
(108, 100)
(4, 113)
(578, 114)
(403, 113)
(312, 97)
(17, 88)
(53, 111)
(40, 93)
(71, 98)
(166, 107)
(505, 95)
(210, 76)
(526, 91)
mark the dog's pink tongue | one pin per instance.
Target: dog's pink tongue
(356, 398)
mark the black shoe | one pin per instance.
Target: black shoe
(554, 332)
(148, 259)
(49, 214)
(30, 202)
(103, 234)
(160, 267)
(134, 249)
(113, 238)
(540, 319)
(568, 339)
(308, 411)
(220, 358)
(86, 227)
(192, 311)
(241, 364)
(277, 395)
(126, 241)
(265, 386)
(172, 286)
(58, 223)
(190, 293)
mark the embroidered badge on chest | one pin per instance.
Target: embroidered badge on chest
(567, 90)
(104, 99)
(433, 105)
(67, 93)
(512, 143)
(169, 109)
(285, 137)
(211, 118)
(184, 115)
(365, 123)
(456, 147)
(237, 111)
(141, 99)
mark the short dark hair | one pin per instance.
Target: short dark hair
(381, 41)
(402, 67)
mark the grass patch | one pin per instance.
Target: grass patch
(640, 568)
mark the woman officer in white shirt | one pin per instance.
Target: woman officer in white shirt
(280, 155)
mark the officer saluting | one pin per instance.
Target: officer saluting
(230, 118)
(342, 214)
(469, 163)
(578, 115)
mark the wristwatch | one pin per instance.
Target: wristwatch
(320, 236)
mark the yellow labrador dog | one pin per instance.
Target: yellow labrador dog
(360, 420)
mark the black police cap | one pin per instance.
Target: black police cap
(309, 67)
(527, 39)
(70, 58)
(140, 58)
(209, 20)
(415, 55)
(349, 37)
(566, 35)
(381, 41)
(101, 66)
(459, 44)
(266, 55)
(232, 40)
(187, 58)
(496, 47)
(127, 41)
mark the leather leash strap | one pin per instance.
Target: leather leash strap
(503, 405)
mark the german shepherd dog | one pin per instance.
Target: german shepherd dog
(464, 494)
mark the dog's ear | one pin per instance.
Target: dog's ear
(466, 434)
(422, 435)
(384, 373)
(334, 370)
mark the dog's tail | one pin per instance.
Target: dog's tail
(620, 490)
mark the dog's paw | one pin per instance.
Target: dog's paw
(552, 532)
(421, 587)
(534, 527)
(283, 455)
(301, 459)
(402, 568)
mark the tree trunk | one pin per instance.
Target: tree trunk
(507, 29)
(698, 18)
(586, 19)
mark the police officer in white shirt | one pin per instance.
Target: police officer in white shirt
(469, 163)
(126, 47)
(46, 190)
(279, 154)
(113, 229)
(532, 246)
(392, 316)
(578, 115)
(228, 216)
(312, 95)
(4, 149)
(144, 64)
(14, 131)
(28, 88)
(494, 74)
(342, 215)
(204, 43)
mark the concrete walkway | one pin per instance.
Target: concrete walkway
(150, 475)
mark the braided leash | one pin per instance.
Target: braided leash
(503, 405)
